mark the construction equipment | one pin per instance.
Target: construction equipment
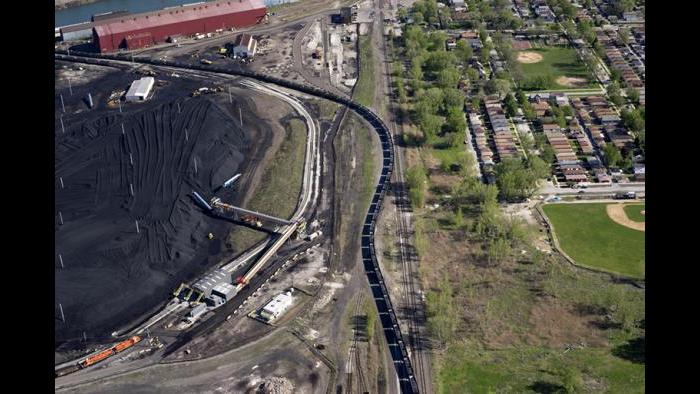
(251, 220)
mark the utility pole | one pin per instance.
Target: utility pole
(195, 165)
(84, 337)
(62, 104)
(122, 128)
(240, 116)
(60, 260)
(60, 217)
(137, 227)
(63, 129)
(131, 159)
(63, 317)
(230, 100)
(60, 179)
(70, 88)
(178, 107)
(186, 138)
(131, 189)
(120, 105)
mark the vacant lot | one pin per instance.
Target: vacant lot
(560, 63)
(634, 212)
(590, 237)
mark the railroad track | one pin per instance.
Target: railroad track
(354, 361)
(387, 314)
(413, 305)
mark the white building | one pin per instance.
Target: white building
(140, 89)
(245, 46)
(277, 306)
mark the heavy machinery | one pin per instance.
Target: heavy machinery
(251, 220)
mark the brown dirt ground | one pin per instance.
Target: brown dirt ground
(617, 213)
(529, 57)
(571, 81)
(555, 325)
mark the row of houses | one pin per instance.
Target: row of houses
(567, 162)
(522, 7)
(502, 134)
(603, 122)
(483, 150)
(621, 58)
(542, 10)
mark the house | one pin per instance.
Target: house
(451, 44)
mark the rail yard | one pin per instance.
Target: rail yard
(259, 191)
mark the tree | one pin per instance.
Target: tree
(417, 183)
(497, 251)
(453, 98)
(539, 167)
(633, 95)
(511, 105)
(497, 86)
(571, 379)
(464, 52)
(458, 218)
(439, 60)
(614, 93)
(448, 77)
(633, 120)
(611, 155)
(455, 121)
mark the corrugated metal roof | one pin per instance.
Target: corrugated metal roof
(140, 87)
(176, 15)
(76, 27)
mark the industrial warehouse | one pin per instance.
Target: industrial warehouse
(150, 28)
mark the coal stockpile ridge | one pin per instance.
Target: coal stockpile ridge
(112, 274)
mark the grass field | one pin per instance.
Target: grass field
(366, 83)
(557, 62)
(280, 186)
(592, 239)
(634, 212)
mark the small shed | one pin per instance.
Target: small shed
(140, 89)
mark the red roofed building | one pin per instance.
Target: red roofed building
(150, 28)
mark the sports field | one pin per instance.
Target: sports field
(587, 234)
(560, 63)
(634, 212)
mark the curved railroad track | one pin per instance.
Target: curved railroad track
(387, 314)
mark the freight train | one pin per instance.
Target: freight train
(94, 359)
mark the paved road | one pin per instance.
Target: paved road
(613, 188)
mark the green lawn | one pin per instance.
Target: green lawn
(557, 62)
(634, 212)
(366, 83)
(592, 239)
(533, 369)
